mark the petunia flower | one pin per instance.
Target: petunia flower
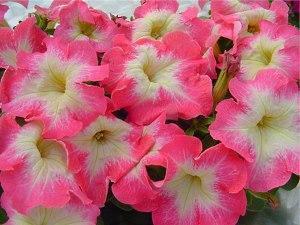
(79, 22)
(103, 150)
(275, 47)
(262, 125)
(50, 87)
(73, 213)
(136, 186)
(26, 37)
(200, 189)
(150, 77)
(35, 170)
(245, 21)
(52, 12)
(227, 7)
(156, 18)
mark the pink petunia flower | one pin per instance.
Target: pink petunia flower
(52, 12)
(263, 126)
(200, 189)
(136, 186)
(79, 22)
(150, 77)
(73, 213)
(25, 37)
(275, 47)
(34, 170)
(103, 151)
(50, 87)
(227, 7)
(245, 20)
(156, 18)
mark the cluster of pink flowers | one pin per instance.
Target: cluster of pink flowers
(159, 67)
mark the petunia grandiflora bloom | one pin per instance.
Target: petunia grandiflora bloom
(275, 47)
(50, 87)
(34, 170)
(150, 77)
(142, 186)
(103, 151)
(262, 125)
(156, 18)
(26, 36)
(73, 213)
(79, 22)
(200, 188)
(245, 19)
(228, 7)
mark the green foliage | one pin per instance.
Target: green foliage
(292, 183)
(45, 24)
(3, 216)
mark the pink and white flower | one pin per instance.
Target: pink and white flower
(73, 213)
(151, 77)
(34, 170)
(25, 37)
(262, 125)
(136, 186)
(50, 87)
(200, 189)
(79, 22)
(275, 47)
(227, 7)
(103, 151)
(245, 19)
(156, 18)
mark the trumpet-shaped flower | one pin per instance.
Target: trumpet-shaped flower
(150, 77)
(262, 126)
(156, 18)
(200, 189)
(142, 187)
(227, 7)
(50, 87)
(79, 22)
(105, 150)
(74, 213)
(274, 47)
(34, 170)
(246, 21)
(25, 37)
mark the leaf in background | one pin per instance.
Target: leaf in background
(255, 204)
(190, 131)
(3, 216)
(292, 183)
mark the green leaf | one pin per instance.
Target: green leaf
(258, 200)
(255, 204)
(190, 131)
(3, 216)
(292, 183)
